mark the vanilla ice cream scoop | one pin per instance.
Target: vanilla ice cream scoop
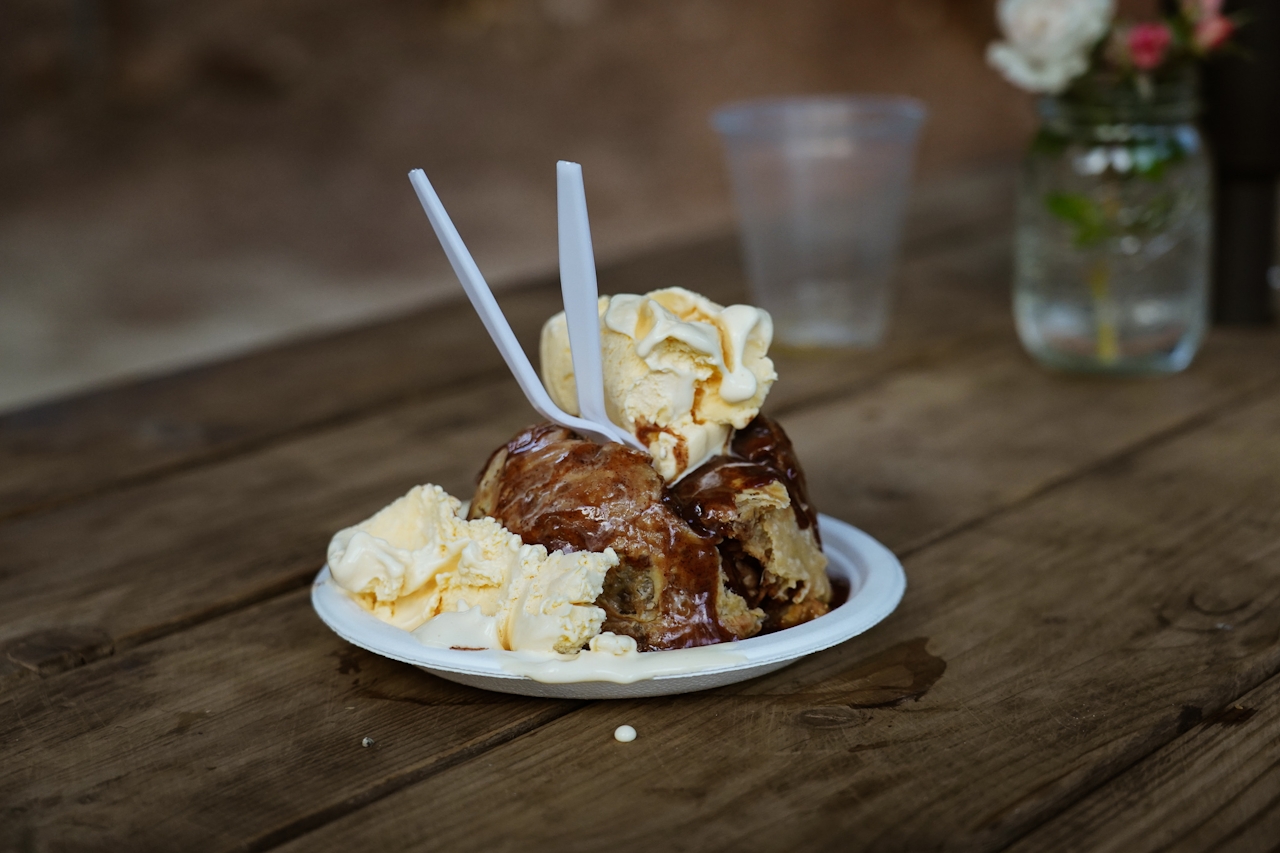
(421, 566)
(680, 371)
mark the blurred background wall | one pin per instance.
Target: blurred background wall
(180, 181)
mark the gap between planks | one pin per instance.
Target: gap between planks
(1188, 424)
(316, 820)
(166, 627)
(97, 648)
(1142, 446)
(1099, 751)
(231, 450)
(812, 388)
(1148, 444)
(932, 232)
(1151, 442)
(1148, 807)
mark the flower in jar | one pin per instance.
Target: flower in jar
(1209, 27)
(1147, 45)
(1210, 33)
(1047, 42)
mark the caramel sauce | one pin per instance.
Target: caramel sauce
(763, 442)
(743, 572)
(840, 589)
(648, 432)
(708, 497)
(566, 493)
(760, 455)
(556, 489)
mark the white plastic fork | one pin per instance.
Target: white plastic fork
(477, 290)
(581, 295)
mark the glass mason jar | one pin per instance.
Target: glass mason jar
(1112, 247)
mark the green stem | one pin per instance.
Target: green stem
(1104, 312)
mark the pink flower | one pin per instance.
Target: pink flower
(1147, 45)
(1212, 31)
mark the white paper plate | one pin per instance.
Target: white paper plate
(876, 584)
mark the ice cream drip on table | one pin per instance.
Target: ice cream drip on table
(680, 371)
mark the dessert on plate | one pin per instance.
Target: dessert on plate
(570, 546)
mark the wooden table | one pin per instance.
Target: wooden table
(1086, 657)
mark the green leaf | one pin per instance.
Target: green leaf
(1081, 212)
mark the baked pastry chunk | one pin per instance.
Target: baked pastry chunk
(755, 506)
(729, 551)
(553, 488)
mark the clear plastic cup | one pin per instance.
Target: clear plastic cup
(821, 185)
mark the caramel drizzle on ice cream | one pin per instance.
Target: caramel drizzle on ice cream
(680, 371)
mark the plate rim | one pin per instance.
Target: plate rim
(880, 587)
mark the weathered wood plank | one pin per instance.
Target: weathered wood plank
(83, 445)
(938, 447)
(1074, 634)
(80, 446)
(150, 559)
(109, 549)
(232, 736)
(1217, 787)
(982, 414)
(936, 444)
(88, 443)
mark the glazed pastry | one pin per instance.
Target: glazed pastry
(729, 551)
(755, 505)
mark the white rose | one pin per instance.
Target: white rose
(1048, 41)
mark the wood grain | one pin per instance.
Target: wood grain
(933, 448)
(83, 445)
(256, 522)
(151, 559)
(1093, 583)
(1076, 629)
(231, 736)
(1217, 787)
(940, 444)
(271, 706)
(1001, 411)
